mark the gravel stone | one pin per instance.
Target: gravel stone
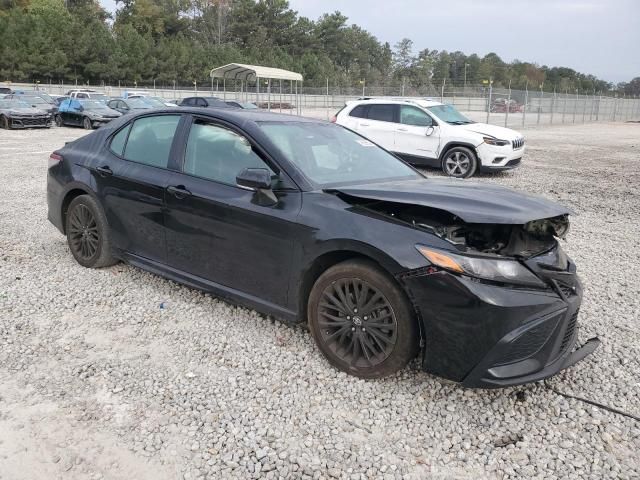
(117, 373)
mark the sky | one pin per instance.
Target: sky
(600, 37)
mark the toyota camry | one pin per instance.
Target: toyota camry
(310, 222)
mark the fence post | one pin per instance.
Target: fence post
(489, 102)
(442, 91)
(506, 116)
(526, 102)
(575, 107)
(553, 105)
(564, 105)
(615, 104)
(584, 108)
(540, 104)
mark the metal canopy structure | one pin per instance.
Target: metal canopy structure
(256, 73)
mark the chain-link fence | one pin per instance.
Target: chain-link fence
(481, 103)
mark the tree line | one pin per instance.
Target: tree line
(177, 42)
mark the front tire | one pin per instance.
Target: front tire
(88, 233)
(459, 162)
(86, 123)
(4, 122)
(362, 321)
(58, 120)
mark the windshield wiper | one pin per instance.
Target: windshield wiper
(461, 122)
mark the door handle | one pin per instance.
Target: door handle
(178, 191)
(365, 124)
(403, 129)
(104, 171)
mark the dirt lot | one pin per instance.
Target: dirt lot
(119, 374)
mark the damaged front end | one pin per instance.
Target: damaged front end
(499, 306)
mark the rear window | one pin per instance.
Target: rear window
(360, 112)
(383, 113)
(117, 142)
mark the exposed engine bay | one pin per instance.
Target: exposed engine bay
(523, 241)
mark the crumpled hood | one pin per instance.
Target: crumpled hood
(25, 111)
(473, 202)
(492, 130)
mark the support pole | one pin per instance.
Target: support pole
(526, 102)
(490, 95)
(258, 91)
(506, 116)
(269, 94)
(224, 88)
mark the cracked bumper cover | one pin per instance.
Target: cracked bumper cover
(490, 336)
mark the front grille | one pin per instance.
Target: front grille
(528, 343)
(518, 143)
(32, 121)
(568, 333)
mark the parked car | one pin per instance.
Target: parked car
(308, 221)
(135, 93)
(5, 91)
(58, 99)
(15, 113)
(159, 101)
(212, 102)
(89, 114)
(87, 94)
(129, 105)
(429, 133)
(500, 105)
(246, 105)
(40, 101)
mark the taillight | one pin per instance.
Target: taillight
(54, 159)
(334, 119)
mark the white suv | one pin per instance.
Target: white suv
(428, 133)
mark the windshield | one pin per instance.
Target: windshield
(330, 155)
(137, 103)
(35, 100)
(449, 114)
(154, 102)
(92, 104)
(13, 104)
(99, 97)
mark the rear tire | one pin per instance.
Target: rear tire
(88, 233)
(459, 162)
(58, 120)
(4, 122)
(86, 123)
(362, 321)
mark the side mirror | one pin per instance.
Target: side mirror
(254, 178)
(429, 131)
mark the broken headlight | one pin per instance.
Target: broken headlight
(487, 268)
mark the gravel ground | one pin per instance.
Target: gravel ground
(120, 374)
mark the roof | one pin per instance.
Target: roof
(423, 102)
(239, 71)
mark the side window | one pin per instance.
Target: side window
(187, 102)
(201, 102)
(218, 154)
(382, 112)
(117, 142)
(359, 112)
(414, 116)
(82, 95)
(150, 140)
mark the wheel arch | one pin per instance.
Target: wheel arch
(455, 143)
(73, 191)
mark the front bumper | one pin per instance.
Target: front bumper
(42, 121)
(494, 158)
(487, 336)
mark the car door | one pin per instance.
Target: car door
(221, 232)
(380, 124)
(417, 133)
(130, 181)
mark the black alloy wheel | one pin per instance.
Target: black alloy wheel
(362, 321)
(88, 233)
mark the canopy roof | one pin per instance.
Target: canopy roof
(240, 71)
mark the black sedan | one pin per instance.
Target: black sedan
(41, 101)
(210, 102)
(310, 222)
(84, 113)
(129, 105)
